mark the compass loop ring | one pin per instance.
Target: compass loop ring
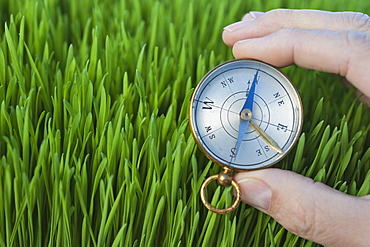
(208, 205)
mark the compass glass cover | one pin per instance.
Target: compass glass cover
(215, 114)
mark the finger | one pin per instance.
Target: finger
(308, 209)
(346, 52)
(300, 19)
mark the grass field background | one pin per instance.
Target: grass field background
(95, 145)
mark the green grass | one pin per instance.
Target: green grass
(95, 145)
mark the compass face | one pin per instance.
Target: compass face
(216, 115)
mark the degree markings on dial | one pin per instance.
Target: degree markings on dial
(211, 132)
(261, 148)
(258, 153)
(210, 105)
(278, 126)
(280, 100)
(217, 101)
(227, 82)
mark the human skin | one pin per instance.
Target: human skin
(337, 43)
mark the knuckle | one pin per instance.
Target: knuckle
(307, 226)
(357, 45)
(357, 38)
(306, 217)
(356, 41)
(360, 21)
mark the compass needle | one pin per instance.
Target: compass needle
(221, 112)
(246, 113)
(266, 137)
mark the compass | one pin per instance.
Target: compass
(244, 115)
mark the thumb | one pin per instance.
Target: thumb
(309, 209)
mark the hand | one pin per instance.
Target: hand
(311, 210)
(246, 114)
(338, 43)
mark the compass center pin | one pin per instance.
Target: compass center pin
(246, 114)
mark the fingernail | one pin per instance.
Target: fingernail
(237, 25)
(252, 15)
(255, 14)
(256, 193)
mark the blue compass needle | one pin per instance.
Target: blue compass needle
(246, 114)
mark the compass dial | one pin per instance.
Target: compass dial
(245, 115)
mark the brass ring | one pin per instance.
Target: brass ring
(216, 210)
